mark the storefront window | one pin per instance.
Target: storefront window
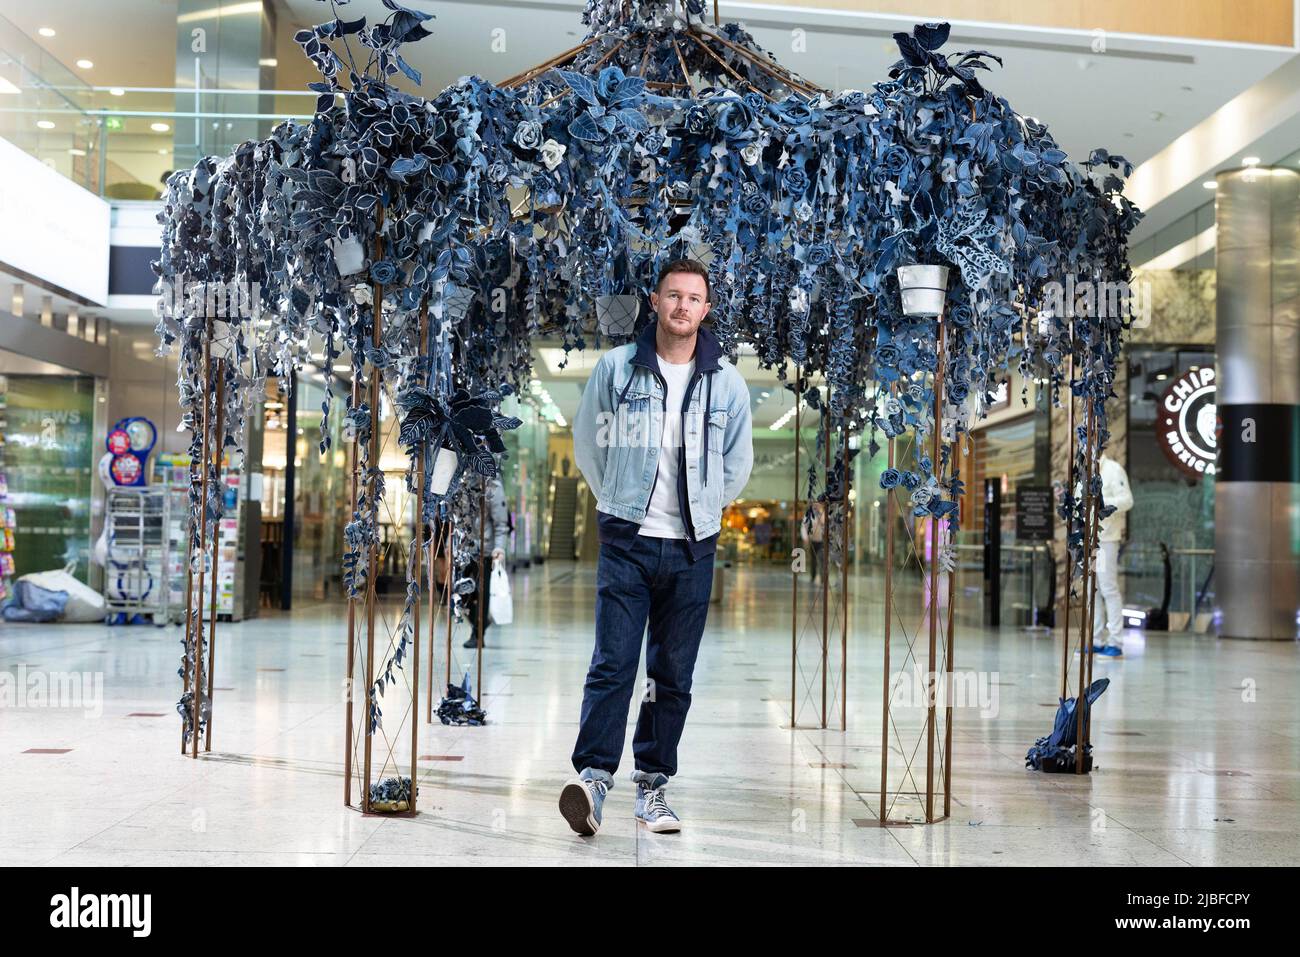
(49, 458)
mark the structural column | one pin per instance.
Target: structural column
(1257, 486)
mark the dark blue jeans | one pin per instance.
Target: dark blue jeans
(654, 580)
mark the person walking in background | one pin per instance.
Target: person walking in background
(662, 436)
(812, 531)
(496, 537)
(1115, 491)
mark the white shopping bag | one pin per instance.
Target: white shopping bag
(500, 605)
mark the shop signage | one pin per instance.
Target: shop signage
(1034, 508)
(1185, 422)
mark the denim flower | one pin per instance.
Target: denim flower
(803, 211)
(792, 112)
(795, 181)
(697, 121)
(911, 480)
(734, 118)
(957, 391)
(820, 253)
(528, 135)
(552, 153)
(751, 153)
(384, 272)
(756, 203)
(921, 497)
(890, 478)
(498, 171)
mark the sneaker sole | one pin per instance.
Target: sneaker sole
(577, 809)
(661, 827)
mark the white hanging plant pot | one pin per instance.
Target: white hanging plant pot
(349, 255)
(444, 469)
(924, 289)
(616, 315)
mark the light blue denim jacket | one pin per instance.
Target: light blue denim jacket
(619, 427)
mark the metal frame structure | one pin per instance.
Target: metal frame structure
(939, 652)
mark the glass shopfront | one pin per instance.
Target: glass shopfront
(1173, 512)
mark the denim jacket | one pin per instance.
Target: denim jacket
(620, 422)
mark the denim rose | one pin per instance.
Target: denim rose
(552, 153)
(921, 498)
(887, 355)
(498, 172)
(756, 101)
(653, 141)
(756, 203)
(528, 135)
(734, 118)
(961, 316)
(957, 391)
(751, 154)
(697, 120)
(890, 478)
(916, 392)
(384, 272)
(911, 480)
(803, 210)
(795, 181)
(793, 112)
(820, 253)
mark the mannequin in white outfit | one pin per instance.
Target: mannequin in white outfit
(1115, 491)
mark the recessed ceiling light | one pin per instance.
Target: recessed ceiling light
(85, 64)
(46, 31)
(77, 152)
(117, 91)
(45, 124)
(159, 127)
(163, 152)
(1210, 184)
(1250, 161)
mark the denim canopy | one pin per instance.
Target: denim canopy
(500, 212)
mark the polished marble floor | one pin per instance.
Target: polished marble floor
(1198, 749)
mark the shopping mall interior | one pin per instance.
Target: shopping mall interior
(132, 573)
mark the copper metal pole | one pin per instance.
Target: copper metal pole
(482, 561)
(417, 553)
(203, 536)
(451, 562)
(795, 522)
(889, 614)
(947, 731)
(825, 429)
(932, 599)
(1085, 628)
(1069, 486)
(844, 588)
(372, 465)
(352, 616)
(431, 553)
(1091, 593)
(218, 440)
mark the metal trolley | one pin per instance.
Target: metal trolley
(142, 547)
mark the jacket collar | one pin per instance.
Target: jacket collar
(707, 349)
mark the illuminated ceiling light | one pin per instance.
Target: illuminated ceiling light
(1162, 377)
(7, 87)
(268, 62)
(1250, 161)
(46, 31)
(1210, 184)
(85, 64)
(117, 91)
(159, 127)
(231, 10)
(77, 152)
(45, 124)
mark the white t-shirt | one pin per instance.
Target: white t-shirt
(663, 518)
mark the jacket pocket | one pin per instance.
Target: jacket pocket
(717, 438)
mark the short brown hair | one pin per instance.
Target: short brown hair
(686, 265)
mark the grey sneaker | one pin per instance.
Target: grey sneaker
(581, 800)
(652, 809)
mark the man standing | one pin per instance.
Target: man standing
(662, 436)
(495, 536)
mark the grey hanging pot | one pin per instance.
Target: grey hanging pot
(616, 315)
(349, 255)
(923, 289)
